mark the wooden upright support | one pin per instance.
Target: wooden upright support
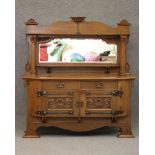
(124, 25)
(30, 66)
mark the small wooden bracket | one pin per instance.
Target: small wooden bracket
(49, 70)
(107, 69)
(26, 83)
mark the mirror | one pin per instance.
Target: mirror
(75, 50)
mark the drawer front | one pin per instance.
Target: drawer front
(60, 85)
(109, 85)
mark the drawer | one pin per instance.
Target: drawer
(98, 85)
(60, 85)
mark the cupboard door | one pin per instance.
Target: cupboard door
(59, 103)
(99, 103)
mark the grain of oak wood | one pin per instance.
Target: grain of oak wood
(73, 99)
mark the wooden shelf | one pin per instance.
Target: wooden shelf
(70, 76)
(77, 65)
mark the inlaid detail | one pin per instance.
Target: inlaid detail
(60, 102)
(98, 102)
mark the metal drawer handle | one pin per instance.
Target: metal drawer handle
(60, 85)
(70, 93)
(99, 85)
(70, 112)
(88, 112)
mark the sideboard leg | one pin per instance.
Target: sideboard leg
(31, 132)
(125, 132)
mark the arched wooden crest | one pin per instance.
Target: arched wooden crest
(78, 26)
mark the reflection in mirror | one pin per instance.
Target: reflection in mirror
(77, 50)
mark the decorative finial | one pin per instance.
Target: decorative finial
(78, 19)
(31, 22)
(124, 22)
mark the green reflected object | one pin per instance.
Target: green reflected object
(57, 52)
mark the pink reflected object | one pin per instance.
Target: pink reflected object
(92, 56)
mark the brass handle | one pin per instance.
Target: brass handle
(88, 112)
(88, 93)
(70, 112)
(99, 85)
(60, 100)
(70, 93)
(60, 85)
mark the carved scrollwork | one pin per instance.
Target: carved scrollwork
(98, 102)
(60, 102)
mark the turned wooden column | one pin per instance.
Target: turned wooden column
(30, 66)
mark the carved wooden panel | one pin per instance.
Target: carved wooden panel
(98, 102)
(60, 102)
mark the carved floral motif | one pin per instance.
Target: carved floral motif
(98, 102)
(60, 102)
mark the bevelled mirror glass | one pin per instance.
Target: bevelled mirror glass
(77, 50)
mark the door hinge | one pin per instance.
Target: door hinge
(43, 116)
(117, 93)
(41, 93)
(115, 115)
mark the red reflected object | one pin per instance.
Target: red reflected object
(43, 52)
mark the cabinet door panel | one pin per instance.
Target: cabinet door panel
(59, 103)
(98, 103)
